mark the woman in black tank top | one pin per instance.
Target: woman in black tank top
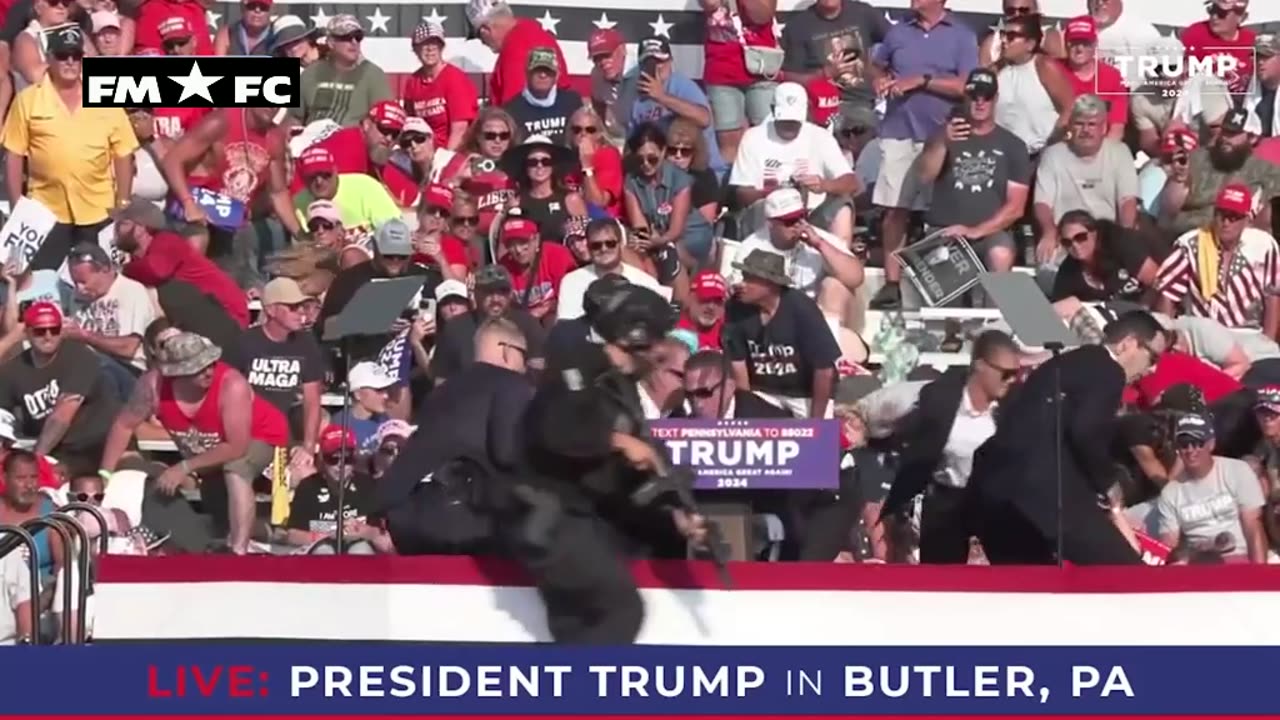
(539, 169)
(249, 35)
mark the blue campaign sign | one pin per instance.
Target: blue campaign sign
(224, 212)
(335, 679)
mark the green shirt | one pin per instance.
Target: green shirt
(1206, 181)
(362, 201)
(344, 97)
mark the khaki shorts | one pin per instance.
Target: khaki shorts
(254, 463)
(898, 184)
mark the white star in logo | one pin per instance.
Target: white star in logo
(213, 18)
(378, 21)
(604, 23)
(662, 28)
(548, 23)
(320, 19)
(435, 16)
(195, 83)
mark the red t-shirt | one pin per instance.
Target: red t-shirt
(406, 191)
(448, 99)
(170, 257)
(1200, 42)
(608, 166)
(153, 12)
(1268, 149)
(556, 262)
(512, 64)
(723, 63)
(707, 339)
(173, 123)
(455, 253)
(1177, 368)
(824, 100)
(348, 150)
(1107, 84)
(491, 191)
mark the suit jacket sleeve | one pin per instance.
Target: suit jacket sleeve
(1094, 390)
(924, 432)
(505, 436)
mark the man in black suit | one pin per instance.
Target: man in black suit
(1016, 496)
(954, 415)
(710, 392)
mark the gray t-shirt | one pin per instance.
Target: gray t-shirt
(808, 39)
(1200, 510)
(975, 178)
(1065, 181)
(1212, 341)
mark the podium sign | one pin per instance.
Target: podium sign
(941, 267)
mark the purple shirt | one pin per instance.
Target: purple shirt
(949, 49)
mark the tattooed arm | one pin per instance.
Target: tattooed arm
(58, 422)
(140, 407)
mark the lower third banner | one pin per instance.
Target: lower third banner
(337, 679)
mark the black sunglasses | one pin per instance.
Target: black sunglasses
(350, 37)
(704, 393)
(46, 332)
(602, 245)
(1187, 443)
(535, 162)
(1018, 10)
(338, 458)
(388, 131)
(1004, 372)
(257, 7)
(588, 129)
(86, 497)
(1220, 12)
(472, 220)
(318, 225)
(492, 136)
(650, 159)
(855, 131)
(65, 55)
(1007, 35)
(680, 151)
(1077, 239)
(1230, 216)
(438, 212)
(408, 140)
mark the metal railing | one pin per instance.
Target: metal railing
(76, 562)
(13, 537)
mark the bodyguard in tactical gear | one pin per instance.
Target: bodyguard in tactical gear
(588, 455)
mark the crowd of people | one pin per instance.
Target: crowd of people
(752, 202)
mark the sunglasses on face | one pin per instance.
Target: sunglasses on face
(388, 131)
(337, 458)
(389, 449)
(602, 245)
(1220, 12)
(46, 332)
(1230, 217)
(703, 393)
(86, 497)
(677, 151)
(408, 140)
(650, 159)
(353, 37)
(1188, 443)
(537, 162)
(1007, 35)
(73, 56)
(584, 129)
(857, 131)
(468, 220)
(1017, 10)
(256, 7)
(1078, 239)
(318, 225)
(438, 212)
(1006, 374)
(495, 136)
(58, 3)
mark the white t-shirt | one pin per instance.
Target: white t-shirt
(15, 588)
(574, 286)
(1130, 36)
(125, 310)
(763, 155)
(1204, 508)
(805, 265)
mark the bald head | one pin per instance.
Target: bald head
(501, 342)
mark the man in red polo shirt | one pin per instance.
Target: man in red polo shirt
(511, 38)
(159, 256)
(362, 148)
(438, 91)
(1222, 35)
(152, 13)
(1090, 77)
(704, 313)
(536, 267)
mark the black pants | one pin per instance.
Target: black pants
(1235, 428)
(585, 583)
(1088, 538)
(944, 527)
(57, 246)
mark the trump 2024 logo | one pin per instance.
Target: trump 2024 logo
(186, 81)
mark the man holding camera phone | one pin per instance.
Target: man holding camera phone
(981, 174)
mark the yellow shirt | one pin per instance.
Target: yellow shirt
(69, 155)
(362, 201)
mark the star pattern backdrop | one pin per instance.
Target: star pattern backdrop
(388, 25)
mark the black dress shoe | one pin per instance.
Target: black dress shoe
(888, 297)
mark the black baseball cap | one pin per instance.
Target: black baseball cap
(655, 47)
(982, 83)
(68, 38)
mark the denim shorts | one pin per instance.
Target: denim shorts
(731, 106)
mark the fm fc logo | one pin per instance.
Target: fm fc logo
(215, 82)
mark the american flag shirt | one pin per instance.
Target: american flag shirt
(1252, 274)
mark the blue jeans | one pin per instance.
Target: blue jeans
(120, 379)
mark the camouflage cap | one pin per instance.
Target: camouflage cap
(186, 354)
(1267, 44)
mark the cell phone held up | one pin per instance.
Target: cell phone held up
(960, 123)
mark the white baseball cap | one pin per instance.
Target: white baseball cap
(7, 423)
(450, 289)
(790, 102)
(784, 203)
(369, 375)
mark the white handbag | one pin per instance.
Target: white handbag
(765, 62)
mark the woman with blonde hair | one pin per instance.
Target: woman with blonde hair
(598, 177)
(492, 134)
(687, 150)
